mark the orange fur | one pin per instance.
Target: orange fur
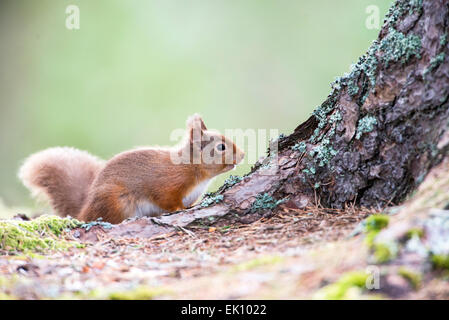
(142, 181)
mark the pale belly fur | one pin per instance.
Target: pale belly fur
(147, 208)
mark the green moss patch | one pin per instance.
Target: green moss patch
(440, 261)
(411, 276)
(349, 286)
(414, 232)
(38, 235)
(376, 222)
(382, 252)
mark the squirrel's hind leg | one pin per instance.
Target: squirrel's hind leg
(108, 203)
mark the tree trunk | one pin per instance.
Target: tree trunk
(382, 128)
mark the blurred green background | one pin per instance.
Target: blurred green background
(136, 69)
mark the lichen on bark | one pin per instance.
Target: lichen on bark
(394, 114)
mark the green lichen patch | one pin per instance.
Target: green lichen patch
(365, 125)
(367, 65)
(349, 286)
(414, 278)
(38, 235)
(98, 222)
(265, 202)
(435, 62)
(232, 180)
(395, 46)
(403, 7)
(323, 153)
(443, 39)
(398, 47)
(309, 171)
(210, 199)
(301, 147)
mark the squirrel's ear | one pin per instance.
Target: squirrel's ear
(195, 128)
(196, 122)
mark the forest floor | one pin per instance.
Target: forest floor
(258, 260)
(293, 254)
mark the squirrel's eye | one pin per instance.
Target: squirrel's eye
(221, 147)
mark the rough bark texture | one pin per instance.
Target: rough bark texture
(385, 124)
(382, 128)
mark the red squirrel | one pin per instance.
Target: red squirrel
(140, 182)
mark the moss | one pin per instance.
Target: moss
(37, 235)
(412, 277)
(364, 125)
(440, 261)
(49, 224)
(397, 46)
(348, 286)
(265, 202)
(414, 232)
(376, 222)
(210, 199)
(383, 252)
(254, 263)
(139, 293)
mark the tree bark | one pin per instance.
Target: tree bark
(381, 129)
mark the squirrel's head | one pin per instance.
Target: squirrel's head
(212, 151)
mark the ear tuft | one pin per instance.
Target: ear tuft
(196, 122)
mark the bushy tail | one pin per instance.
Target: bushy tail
(61, 175)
